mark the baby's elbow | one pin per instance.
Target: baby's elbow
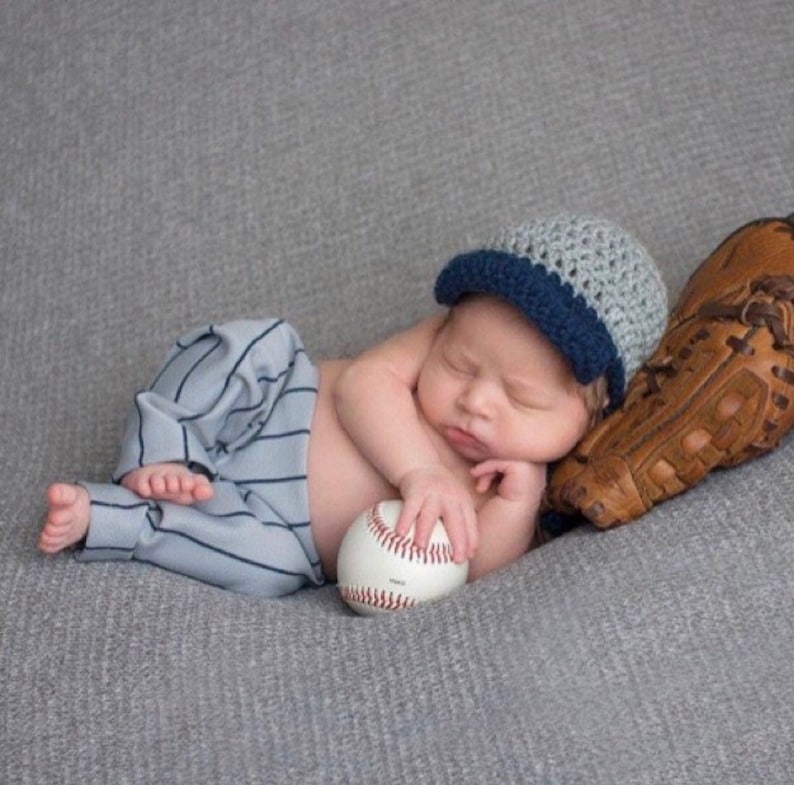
(493, 556)
(479, 567)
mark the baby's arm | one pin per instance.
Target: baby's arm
(375, 404)
(508, 520)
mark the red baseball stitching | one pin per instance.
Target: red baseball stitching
(376, 598)
(435, 553)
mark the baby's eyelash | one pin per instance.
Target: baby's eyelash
(458, 369)
(521, 403)
(455, 365)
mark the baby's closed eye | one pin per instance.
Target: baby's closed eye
(527, 396)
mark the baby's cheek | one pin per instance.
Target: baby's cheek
(433, 390)
(577, 414)
(571, 428)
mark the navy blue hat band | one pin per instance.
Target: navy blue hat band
(561, 314)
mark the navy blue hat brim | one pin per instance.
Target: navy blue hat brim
(559, 312)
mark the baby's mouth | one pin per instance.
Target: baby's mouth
(463, 439)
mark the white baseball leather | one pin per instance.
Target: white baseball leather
(377, 571)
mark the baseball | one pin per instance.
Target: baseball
(378, 571)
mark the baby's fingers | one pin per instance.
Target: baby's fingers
(425, 523)
(461, 528)
(488, 468)
(484, 482)
(408, 514)
(485, 473)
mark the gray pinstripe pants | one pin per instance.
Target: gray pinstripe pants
(234, 401)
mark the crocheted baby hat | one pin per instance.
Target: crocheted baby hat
(589, 286)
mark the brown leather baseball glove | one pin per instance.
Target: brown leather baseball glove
(717, 391)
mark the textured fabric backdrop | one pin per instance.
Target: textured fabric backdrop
(165, 163)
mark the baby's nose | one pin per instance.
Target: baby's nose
(476, 399)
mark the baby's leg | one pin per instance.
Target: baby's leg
(69, 508)
(68, 515)
(214, 392)
(227, 541)
(172, 482)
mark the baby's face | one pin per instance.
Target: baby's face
(495, 387)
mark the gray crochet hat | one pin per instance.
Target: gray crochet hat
(584, 282)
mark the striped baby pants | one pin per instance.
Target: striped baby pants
(234, 401)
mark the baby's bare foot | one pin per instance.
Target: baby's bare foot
(172, 482)
(67, 517)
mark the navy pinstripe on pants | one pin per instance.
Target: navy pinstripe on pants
(234, 401)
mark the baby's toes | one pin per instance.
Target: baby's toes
(60, 494)
(57, 520)
(203, 490)
(56, 528)
(174, 484)
(157, 484)
(49, 542)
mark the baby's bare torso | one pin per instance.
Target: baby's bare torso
(342, 483)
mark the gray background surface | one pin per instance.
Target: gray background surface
(164, 164)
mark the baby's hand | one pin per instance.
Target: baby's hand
(432, 493)
(517, 481)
